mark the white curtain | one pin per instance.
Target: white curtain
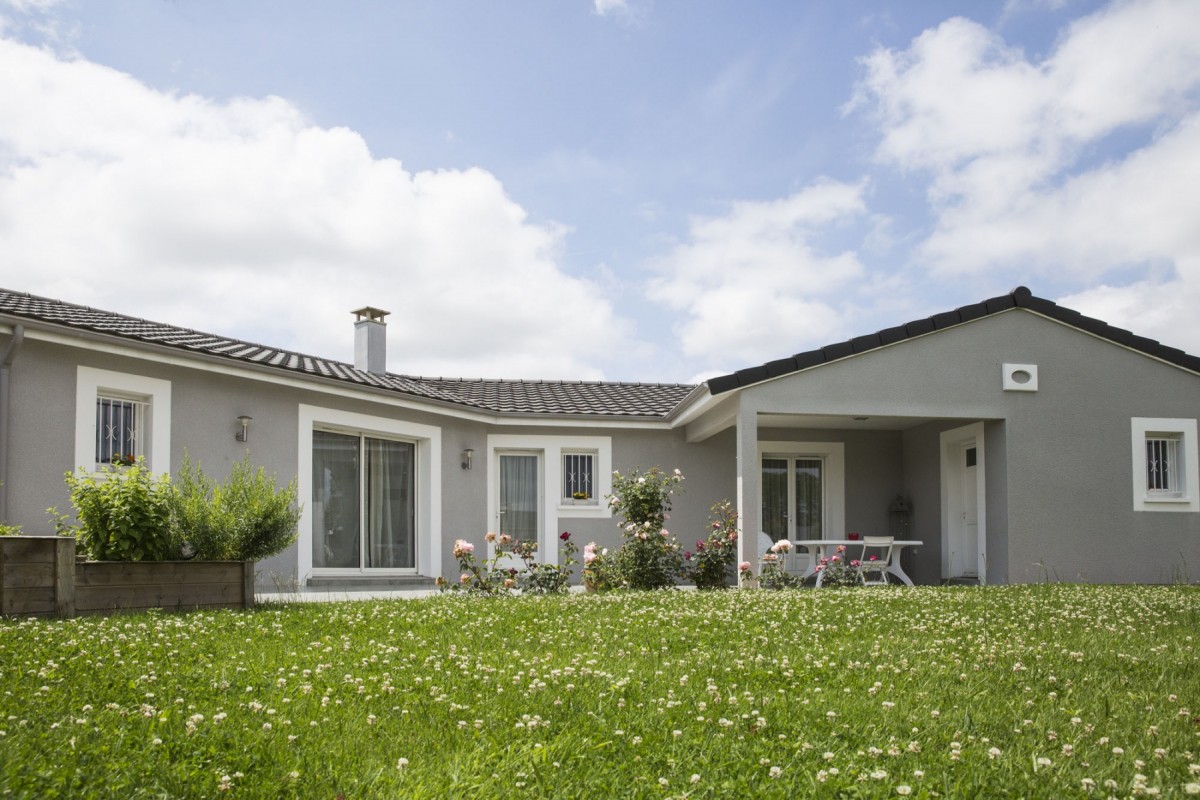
(810, 496)
(775, 498)
(390, 540)
(519, 496)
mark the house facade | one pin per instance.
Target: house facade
(1018, 440)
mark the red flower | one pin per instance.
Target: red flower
(564, 535)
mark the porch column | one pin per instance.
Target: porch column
(748, 477)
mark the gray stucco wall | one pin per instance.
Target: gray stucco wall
(1058, 465)
(205, 406)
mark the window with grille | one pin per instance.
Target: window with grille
(120, 430)
(1163, 466)
(578, 477)
(1166, 465)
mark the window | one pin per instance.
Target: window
(578, 473)
(364, 508)
(1163, 470)
(1164, 465)
(120, 430)
(120, 417)
(372, 494)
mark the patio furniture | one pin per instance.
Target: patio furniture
(875, 560)
(820, 548)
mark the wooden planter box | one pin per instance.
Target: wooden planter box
(39, 576)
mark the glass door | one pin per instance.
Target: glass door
(775, 516)
(364, 508)
(793, 497)
(519, 499)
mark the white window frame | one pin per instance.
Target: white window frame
(554, 511)
(92, 383)
(1183, 432)
(428, 477)
(569, 500)
(833, 454)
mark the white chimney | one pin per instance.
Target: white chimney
(370, 340)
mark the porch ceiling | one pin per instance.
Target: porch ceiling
(841, 422)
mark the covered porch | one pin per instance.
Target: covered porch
(833, 477)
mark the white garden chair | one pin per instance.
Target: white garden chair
(875, 559)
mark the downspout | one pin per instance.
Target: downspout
(6, 359)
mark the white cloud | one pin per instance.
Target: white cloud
(244, 217)
(1083, 167)
(754, 285)
(629, 12)
(605, 7)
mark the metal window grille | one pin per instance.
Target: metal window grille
(577, 475)
(120, 430)
(1162, 465)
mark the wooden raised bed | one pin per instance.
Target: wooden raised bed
(39, 576)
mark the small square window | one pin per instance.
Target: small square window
(578, 477)
(1165, 466)
(120, 430)
(1164, 470)
(121, 417)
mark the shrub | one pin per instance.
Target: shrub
(599, 572)
(247, 518)
(124, 514)
(489, 578)
(10, 530)
(712, 563)
(773, 575)
(649, 557)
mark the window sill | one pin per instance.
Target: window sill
(582, 510)
(1167, 499)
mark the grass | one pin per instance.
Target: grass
(1035, 691)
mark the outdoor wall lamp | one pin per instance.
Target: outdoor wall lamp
(244, 434)
(468, 456)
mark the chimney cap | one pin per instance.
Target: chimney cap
(370, 313)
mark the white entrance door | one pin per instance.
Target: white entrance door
(964, 561)
(963, 538)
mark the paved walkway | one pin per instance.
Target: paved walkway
(341, 595)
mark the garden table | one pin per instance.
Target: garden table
(824, 548)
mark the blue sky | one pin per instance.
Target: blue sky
(637, 190)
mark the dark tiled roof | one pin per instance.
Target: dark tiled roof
(1020, 297)
(558, 398)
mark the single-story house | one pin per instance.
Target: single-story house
(1017, 439)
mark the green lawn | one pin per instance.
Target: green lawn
(1038, 691)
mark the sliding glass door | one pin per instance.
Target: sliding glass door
(793, 497)
(364, 508)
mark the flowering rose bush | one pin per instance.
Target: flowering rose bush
(712, 563)
(650, 557)
(773, 575)
(495, 575)
(837, 570)
(599, 572)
